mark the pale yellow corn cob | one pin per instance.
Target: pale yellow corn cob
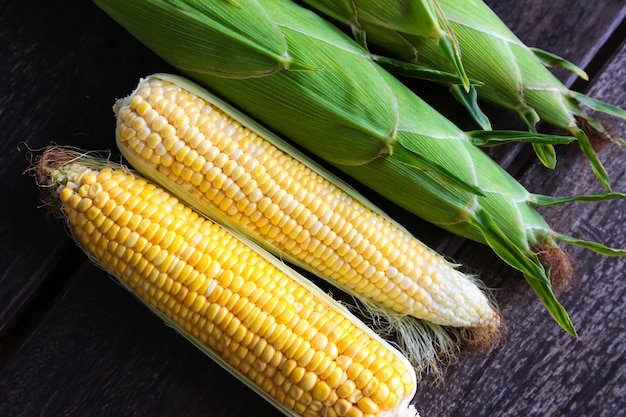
(232, 174)
(264, 323)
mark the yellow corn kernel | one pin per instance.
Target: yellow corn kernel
(295, 212)
(272, 357)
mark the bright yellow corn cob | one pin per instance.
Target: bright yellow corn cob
(264, 323)
(230, 173)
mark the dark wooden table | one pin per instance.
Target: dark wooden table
(73, 343)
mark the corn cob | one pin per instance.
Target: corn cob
(350, 112)
(232, 170)
(508, 73)
(265, 324)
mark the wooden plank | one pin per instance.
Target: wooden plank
(60, 76)
(538, 370)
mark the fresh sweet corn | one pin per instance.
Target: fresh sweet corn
(265, 324)
(230, 169)
(331, 98)
(508, 73)
(230, 173)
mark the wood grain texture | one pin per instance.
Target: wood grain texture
(93, 350)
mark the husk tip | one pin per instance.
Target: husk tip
(557, 263)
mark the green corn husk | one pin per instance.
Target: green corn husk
(422, 18)
(508, 73)
(349, 111)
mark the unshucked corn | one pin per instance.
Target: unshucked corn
(505, 71)
(229, 168)
(323, 91)
(268, 326)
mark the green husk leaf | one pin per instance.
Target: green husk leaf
(528, 264)
(548, 200)
(594, 246)
(406, 156)
(415, 70)
(529, 116)
(222, 47)
(469, 100)
(498, 137)
(598, 105)
(552, 60)
(450, 49)
(585, 146)
(546, 154)
(360, 36)
(449, 45)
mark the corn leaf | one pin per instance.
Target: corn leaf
(410, 69)
(594, 246)
(415, 159)
(552, 60)
(547, 200)
(469, 100)
(598, 105)
(494, 138)
(546, 154)
(585, 146)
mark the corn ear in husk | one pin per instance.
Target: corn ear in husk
(504, 72)
(354, 114)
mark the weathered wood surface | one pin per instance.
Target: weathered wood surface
(73, 343)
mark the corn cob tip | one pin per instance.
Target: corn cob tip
(47, 174)
(51, 157)
(481, 339)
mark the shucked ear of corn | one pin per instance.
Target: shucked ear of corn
(229, 168)
(349, 111)
(507, 72)
(267, 325)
